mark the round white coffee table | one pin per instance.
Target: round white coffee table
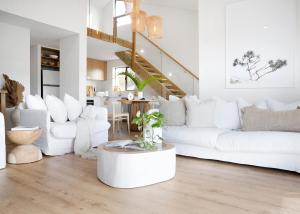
(121, 168)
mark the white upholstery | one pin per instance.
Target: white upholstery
(266, 149)
(58, 139)
(2, 143)
(63, 130)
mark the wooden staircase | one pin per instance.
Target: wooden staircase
(144, 69)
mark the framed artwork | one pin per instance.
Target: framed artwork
(260, 43)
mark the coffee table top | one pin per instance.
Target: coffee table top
(164, 147)
(23, 137)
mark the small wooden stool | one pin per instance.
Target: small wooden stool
(24, 152)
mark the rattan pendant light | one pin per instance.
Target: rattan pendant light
(154, 27)
(140, 21)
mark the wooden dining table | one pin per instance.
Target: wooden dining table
(133, 107)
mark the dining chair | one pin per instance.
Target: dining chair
(118, 115)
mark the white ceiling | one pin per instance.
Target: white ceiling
(97, 49)
(39, 33)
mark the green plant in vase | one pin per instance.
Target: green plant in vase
(140, 84)
(150, 123)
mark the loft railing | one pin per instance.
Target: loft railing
(157, 56)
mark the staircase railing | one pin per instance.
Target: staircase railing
(158, 57)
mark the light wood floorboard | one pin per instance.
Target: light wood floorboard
(68, 184)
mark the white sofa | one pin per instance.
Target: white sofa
(58, 138)
(271, 149)
(2, 143)
(280, 150)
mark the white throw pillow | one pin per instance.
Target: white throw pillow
(227, 115)
(57, 109)
(74, 107)
(174, 112)
(200, 113)
(243, 103)
(35, 102)
(275, 105)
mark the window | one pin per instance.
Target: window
(121, 82)
(120, 9)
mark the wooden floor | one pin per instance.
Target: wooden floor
(68, 184)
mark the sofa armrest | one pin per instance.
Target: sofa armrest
(40, 118)
(101, 113)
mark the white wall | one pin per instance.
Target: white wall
(15, 54)
(94, 16)
(107, 17)
(35, 69)
(180, 33)
(66, 14)
(72, 80)
(212, 58)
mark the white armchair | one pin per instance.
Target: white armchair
(2, 143)
(58, 138)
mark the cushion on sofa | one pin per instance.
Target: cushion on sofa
(259, 142)
(275, 105)
(35, 102)
(200, 113)
(243, 103)
(255, 119)
(65, 130)
(174, 112)
(227, 115)
(74, 107)
(57, 109)
(204, 137)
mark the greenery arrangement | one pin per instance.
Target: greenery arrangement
(144, 121)
(140, 84)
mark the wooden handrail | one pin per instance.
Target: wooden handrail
(115, 32)
(168, 55)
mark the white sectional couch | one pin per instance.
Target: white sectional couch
(280, 150)
(272, 149)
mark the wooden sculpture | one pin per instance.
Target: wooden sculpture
(14, 92)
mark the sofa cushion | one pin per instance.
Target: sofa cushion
(200, 114)
(259, 142)
(227, 115)
(174, 112)
(74, 107)
(63, 130)
(255, 119)
(204, 137)
(57, 109)
(243, 103)
(35, 102)
(275, 105)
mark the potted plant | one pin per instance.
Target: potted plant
(150, 123)
(140, 84)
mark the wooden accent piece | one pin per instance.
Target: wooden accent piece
(23, 137)
(134, 107)
(108, 38)
(133, 52)
(96, 69)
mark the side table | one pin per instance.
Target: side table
(24, 152)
